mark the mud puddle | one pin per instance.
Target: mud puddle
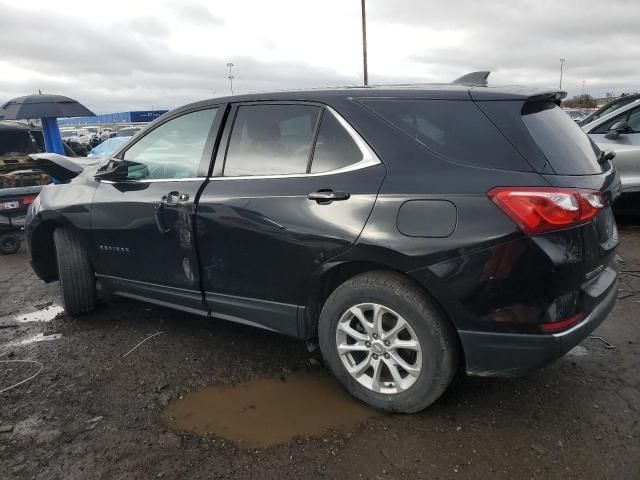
(262, 413)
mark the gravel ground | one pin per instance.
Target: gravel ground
(91, 413)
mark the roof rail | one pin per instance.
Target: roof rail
(474, 78)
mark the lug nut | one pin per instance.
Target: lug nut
(368, 344)
(375, 356)
(386, 355)
(375, 335)
(387, 343)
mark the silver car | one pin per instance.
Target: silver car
(619, 131)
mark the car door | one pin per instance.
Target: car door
(143, 242)
(293, 186)
(632, 137)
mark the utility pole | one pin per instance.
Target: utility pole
(562, 60)
(582, 88)
(230, 77)
(364, 43)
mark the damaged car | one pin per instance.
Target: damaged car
(412, 232)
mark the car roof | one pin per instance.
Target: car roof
(444, 91)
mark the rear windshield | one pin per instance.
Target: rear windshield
(566, 147)
(454, 129)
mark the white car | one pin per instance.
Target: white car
(80, 135)
(619, 131)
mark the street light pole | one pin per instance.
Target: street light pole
(364, 43)
(230, 77)
(582, 88)
(562, 60)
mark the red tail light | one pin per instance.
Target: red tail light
(28, 200)
(561, 325)
(543, 209)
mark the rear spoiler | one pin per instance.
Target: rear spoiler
(60, 167)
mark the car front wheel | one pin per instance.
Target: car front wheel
(75, 273)
(386, 343)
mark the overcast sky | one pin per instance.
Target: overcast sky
(125, 55)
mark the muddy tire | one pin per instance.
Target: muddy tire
(9, 243)
(75, 273)
(384, 319)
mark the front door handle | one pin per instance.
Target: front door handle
(174, 198)
(324, 197)
(171, 199)
(159, 214)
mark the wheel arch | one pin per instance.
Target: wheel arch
(332, 276)
(42, 247)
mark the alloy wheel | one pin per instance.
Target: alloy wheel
(379, 348)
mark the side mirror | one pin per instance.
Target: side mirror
(122, 170)
(617, 129)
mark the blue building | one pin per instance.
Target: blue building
(137, 116)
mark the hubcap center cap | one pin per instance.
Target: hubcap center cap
(377, 348)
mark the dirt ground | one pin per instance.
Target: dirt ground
(91, 413)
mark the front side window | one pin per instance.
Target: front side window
(271, 140)
(175, 148)
(634, 120)
(632, 117)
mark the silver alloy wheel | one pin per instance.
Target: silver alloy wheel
(379, 348)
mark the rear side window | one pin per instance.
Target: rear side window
(334, 147)
(454, 129)
(566, 147)
(271, 140)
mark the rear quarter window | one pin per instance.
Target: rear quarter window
(454, 129)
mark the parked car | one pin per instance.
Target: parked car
(80, 136)
(128, 131)
(619, 131)
(610, 107)
(108, 147)
(414, 232)
(575, 114)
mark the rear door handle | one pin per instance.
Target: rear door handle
(328, 196)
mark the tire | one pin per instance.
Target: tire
(9, 243)
(435, 354)
(75, 273)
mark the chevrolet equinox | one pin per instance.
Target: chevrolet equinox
(414, 231)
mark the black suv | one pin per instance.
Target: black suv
(414, 231)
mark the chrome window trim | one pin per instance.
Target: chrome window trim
(369, 158)
(157, 180)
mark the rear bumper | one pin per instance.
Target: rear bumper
(512, 354)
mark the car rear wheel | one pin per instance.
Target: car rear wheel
(386, 343)
(9, 243)
(75, 273)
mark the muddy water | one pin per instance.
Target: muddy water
(261, 413)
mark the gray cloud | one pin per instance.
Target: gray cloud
(129, 63)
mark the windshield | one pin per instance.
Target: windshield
(566, 147)
(68, 133)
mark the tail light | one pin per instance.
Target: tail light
(543, 209)
(560, 325)
(28, 200)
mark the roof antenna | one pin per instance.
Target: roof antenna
(39, 92)
(474, 78)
